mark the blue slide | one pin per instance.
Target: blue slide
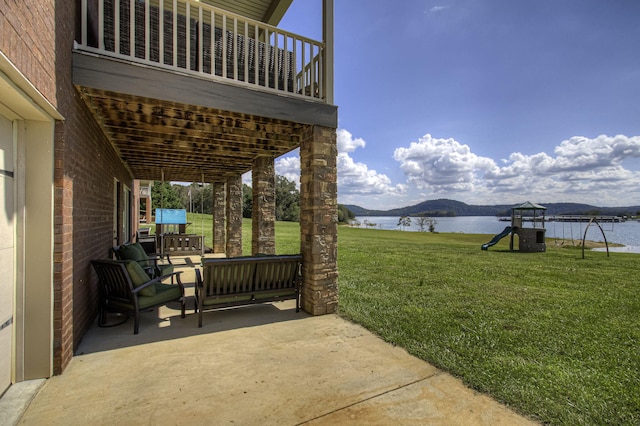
(506, 231)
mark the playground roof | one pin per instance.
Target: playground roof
(529, 206)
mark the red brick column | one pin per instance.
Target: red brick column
(62, 260)
(234, 217)
(319, 220)
(219, 208)
(263, 211)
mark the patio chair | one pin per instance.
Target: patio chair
(135, 251)
(126, 288)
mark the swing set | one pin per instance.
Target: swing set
(580, 221)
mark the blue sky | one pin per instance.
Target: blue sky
(483, 101)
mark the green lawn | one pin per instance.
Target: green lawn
(287, 233)
(555, 336)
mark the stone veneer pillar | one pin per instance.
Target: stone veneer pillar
(234, 217)
(219, 209)
(319, 220)
(263, 210)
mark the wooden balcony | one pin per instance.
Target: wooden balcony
(190, 37)
(190, 92)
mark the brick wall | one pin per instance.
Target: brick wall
(85, 168)
(27, 38)
(37, 37)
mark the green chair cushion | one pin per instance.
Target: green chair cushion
(138, 277)
(227, 299)
(135, 252)
(163, 293)
(165, 269)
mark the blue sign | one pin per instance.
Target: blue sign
(171, 216)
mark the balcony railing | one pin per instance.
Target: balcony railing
(194, 38)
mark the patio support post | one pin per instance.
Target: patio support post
(263, 210)
(219, 209)
(328, 39)
(234, 216)
(147, 198)
(319, 220)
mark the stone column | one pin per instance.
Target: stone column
(219, 210)
(234, 216)
(263, 210)
(319, 220)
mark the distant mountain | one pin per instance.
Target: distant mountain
(444, 207)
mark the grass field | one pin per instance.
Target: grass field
(555, 336)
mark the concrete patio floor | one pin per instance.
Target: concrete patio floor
(255, 365)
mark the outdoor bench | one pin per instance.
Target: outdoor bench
(247, 280)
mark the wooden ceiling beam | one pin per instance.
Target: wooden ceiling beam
(186, 142)
(172, 136)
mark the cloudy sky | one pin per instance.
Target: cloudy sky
(485, 102)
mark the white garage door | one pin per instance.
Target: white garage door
(7, 218)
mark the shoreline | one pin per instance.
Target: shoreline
(555, 242)
(619, 249)
(566, 233)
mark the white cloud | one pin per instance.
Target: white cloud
(436, 9)
(354, 178)
(247, 179)
(442, 165)
(577, 154)
(583, 153)
(346, 142)
(289, 167)
(582, 170)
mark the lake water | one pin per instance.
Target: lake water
(627, 233)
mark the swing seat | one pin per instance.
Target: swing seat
(181, 244)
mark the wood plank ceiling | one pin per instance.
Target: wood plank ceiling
(187, 143)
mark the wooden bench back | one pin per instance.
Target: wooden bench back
(250, 274)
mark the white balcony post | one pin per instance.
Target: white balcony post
(201, 38)
(85, 18)
(116, 35)
(327, 38)
(174, 17)
(188, 36)
(161, 34)
(101, 24)
(147, 32)
(132, 29)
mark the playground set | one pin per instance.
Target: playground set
(530, 239)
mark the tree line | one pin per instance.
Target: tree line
(198, 198)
